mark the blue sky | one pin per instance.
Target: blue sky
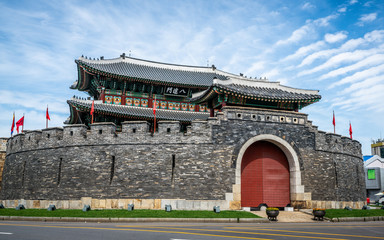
(336, 47)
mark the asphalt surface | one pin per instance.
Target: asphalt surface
(193, 231)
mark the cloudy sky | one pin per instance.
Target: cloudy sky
(333, 46)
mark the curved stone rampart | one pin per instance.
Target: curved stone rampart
(197, 166)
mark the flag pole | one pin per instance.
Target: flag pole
(13, 124)
(154, 126)
(46, 119)
(154, 115)
(22, 126)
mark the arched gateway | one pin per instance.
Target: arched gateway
(268, 172)
(264, 176)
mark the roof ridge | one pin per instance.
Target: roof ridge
(264, 84)
(150, 63)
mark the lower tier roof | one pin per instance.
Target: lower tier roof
(132, 112)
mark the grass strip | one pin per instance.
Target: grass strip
(121, 213)
(337, 213)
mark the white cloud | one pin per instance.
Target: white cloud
(307, 6)
(363, 98)
(343, 9)
(305, 30)
(332, 38)
(302, 51)
(296, 35)
(352, 2)
(374, 36)
(367, 83)
(271, 73)
(255, 67)
(370, 72)
(369, 61)
(345, 57)
(32, 101)
(367, 18)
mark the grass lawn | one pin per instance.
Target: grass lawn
(334, 213)
(121, 213)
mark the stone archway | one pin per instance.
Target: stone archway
(264, 176)
(295, 186)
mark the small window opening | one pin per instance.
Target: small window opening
(59, 172)
(23, 175)
(173, 169)
(112, 170)
(100, 131)
(134, 130)
(239, 115)
(48, 135)
(254, 116)
(336, 180)
(168, 130)
(71, 133)
(29, 138)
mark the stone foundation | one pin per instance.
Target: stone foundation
(327, 204)
(155, 204)
(159, 204)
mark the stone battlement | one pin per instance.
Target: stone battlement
(138, 132)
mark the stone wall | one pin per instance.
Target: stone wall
(3, 148)
(196, 167)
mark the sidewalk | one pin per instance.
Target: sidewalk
(285, 216)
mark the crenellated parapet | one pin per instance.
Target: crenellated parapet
(335, 143)
(133, 132)
(200, 131)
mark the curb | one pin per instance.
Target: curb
(192, 220)
(358, 219)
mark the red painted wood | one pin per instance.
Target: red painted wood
(264, 176)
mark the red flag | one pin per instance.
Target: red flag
(19, 123)
(13, 124)
(350, 129)
(47, 115)
(93, 108)
(334, 122)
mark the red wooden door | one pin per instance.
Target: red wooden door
(264, 176)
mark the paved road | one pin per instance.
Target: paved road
(193, 231)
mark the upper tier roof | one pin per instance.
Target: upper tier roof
(154, 71)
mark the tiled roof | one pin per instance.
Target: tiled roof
(136, 112)
(154, 71)
(258, 89)
(268, 93)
